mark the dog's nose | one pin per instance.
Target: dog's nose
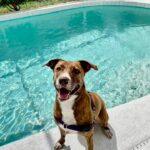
(63, 81)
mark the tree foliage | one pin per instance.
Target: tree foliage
(6, 2)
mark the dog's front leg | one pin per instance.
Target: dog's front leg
(61, 141)
(89, 140)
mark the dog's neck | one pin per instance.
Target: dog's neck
(82, 106)
(70, 110)
(81, 92)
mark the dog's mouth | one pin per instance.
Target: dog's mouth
(64, 94)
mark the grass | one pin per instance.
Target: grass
(33, 4)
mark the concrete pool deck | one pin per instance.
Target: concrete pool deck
(130, 123)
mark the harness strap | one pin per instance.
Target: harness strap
(80, 128)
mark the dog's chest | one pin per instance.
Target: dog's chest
(67, 111)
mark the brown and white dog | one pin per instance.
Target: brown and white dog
(75, 109)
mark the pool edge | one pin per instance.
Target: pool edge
(71, 5)
(126, 120)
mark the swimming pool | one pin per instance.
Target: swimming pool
(116, 38)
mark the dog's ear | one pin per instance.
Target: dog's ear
(87, 65)
(52, 63)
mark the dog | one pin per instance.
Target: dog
(76, 109)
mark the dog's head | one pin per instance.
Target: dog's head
(69, 76)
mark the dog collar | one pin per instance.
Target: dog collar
(79, 128)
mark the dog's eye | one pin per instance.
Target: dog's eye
(76, 71)
(58, 68)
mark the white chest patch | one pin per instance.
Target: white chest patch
(67, 111)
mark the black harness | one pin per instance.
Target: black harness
(79, 128)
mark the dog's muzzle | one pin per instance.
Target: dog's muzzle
(64, 93)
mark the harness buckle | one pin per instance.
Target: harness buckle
(65, 126)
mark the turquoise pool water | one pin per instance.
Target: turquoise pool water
(116, 38)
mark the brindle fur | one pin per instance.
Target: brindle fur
(82, 107)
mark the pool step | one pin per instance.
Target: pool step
(130, 121)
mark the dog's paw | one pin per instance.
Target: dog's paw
(108, 132)
(57, 146)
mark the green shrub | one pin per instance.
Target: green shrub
(6, 2)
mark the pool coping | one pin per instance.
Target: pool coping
(130, 124)
(71, 5)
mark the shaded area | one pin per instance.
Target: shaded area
(76, 141)
(101, 141)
